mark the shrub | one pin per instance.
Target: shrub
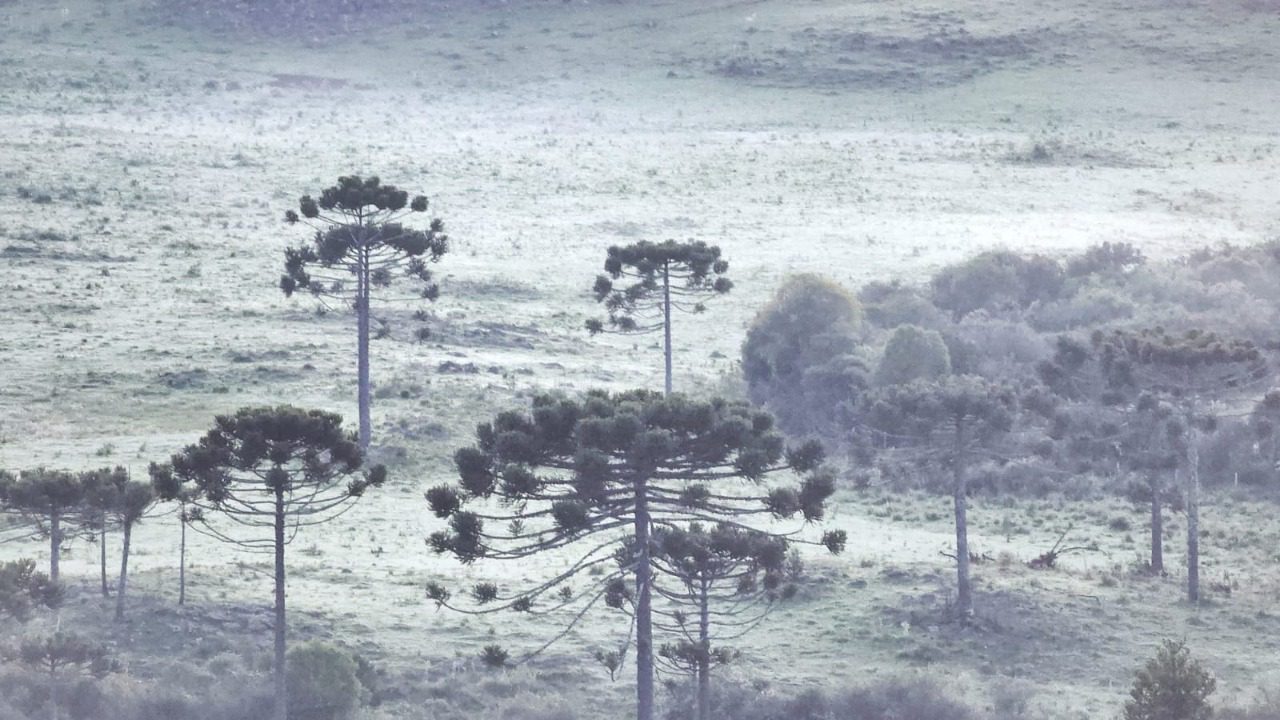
(322, 682)
(494, 656)
(890, 304)
(913, 353)
(22, 589)
(1171, 686)
(1004, 347)
(995, 281)
(1023, 478)
(1107, 259)
(1267, 707)
(892, 699)
(1088, 308)
(85, 700)
(900, 699)
(1233, 268)
(1119, 524)
(539, 709)
(964, 354)
(799, 356)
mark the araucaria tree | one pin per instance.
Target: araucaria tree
(60, 652)
(589, 473)
(661, 277)
(951, 422)
(726, 580)
(1106, 409)
(1150, 448)
(1171, 686)
(51, 502)
(132, 503)
(170, 488)
(360, 244)
(1193, 371)
(101, 495)
(272, 472)
(22, 589)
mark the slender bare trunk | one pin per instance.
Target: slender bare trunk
(365, 398)
(102, 551)
(55, 544)
(1157, 526)
(964, 591)
(1193, 519)
(54, 710)
(704, 653)
(127, 531)
(644, 619)
(281, 690)
(666, 323)
(182, 561)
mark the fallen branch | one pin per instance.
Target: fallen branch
(1049, 559)
(974, 558)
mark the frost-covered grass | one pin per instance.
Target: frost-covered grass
(145, 169)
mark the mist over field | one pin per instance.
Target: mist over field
(1003, 267)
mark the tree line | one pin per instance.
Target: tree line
(683, 514)
(659, 492)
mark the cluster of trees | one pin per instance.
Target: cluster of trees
(1020, 373)
(683, 514)
(255, 480)
(61, 506)
(679, 506)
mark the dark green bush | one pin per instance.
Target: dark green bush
(1088, 308)
(890, 304)
(893, 699)
(995, 281)
(322, 681)
(1107, 259)
(799, 358)
(913, 353)
(1171, 686)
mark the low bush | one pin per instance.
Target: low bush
(323, 682)
(892, 699)
(1171, 686)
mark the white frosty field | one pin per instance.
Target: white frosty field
(147, 164)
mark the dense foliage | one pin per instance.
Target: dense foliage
(574, 474)
(1171, 686)
(269, 472)
(801, 356)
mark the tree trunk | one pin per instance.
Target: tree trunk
(1193, 519)
(964, 592)
(281, 690)
(666, 323)
(102, 550)
(704, 655)
(182, 560)
(127, 531)
(644, 619)
(54, 710)
(1157, 527)
(55, 544)
(364, 398)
